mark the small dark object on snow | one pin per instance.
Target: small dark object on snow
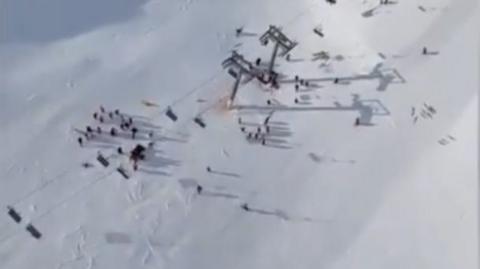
(331, 2)
(239, 31)
(245, 207)
(242, 129)
(119, 150)
(306, 83)
(269, 102)
(33, 231)
(102, 160)
(101, 119)
(80, 141)
(263, 142)
(99, 130)
(424, 51)
(296, 87)
(296, 100)
(95, 115)
(258, 61)
(357, 121)
(134, 132)
(122, 172)
(14, 214)
(117, 112)
(200, 122)
(209, 169)
(150, 134)
(113, 131)
(171, 115)
(102, 109)
(87, 165)
(110, 115)
(265, 122)
(199, 189)
(336, 80)
(89, 129)
(137, 152)
(296, 78)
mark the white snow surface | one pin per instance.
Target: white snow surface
(391, 193)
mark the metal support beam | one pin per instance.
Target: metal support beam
(236, 86)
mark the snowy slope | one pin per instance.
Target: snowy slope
(394, 193)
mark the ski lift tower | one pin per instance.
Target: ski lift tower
(282, 42)
(237, 68)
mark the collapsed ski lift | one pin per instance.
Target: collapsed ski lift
(238, 67)
(281, 41)
(14, 214)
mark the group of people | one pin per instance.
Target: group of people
(126, 124)
(260, 132)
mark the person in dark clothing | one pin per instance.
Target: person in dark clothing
(269, 102)
(424, 51)
(110, 115)
(245, 207)
(267, 129)
(265, 122)
(119, 150)
(80, 141)
(263, 141)
(259, 129)
(336, 80)
(99, 130)
(258, 61)
(134, 132)
(113, 131)
(101, 119)
(357, 121)
(89, 129)
(117, 112)
(296, 100)
(249, 135)
(209, 169)
(242, 129)
(95, 115)
(130, 121)
(102, 109)
(296, 87)
(239, 120)
(199, 189)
